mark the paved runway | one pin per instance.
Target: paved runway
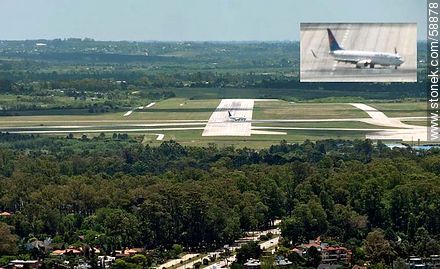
(382, 37)
(219, 123)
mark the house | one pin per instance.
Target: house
(329, 254)
(106, 261)
(297, 251)
(128, 252)
(335, 254)
(282, 262)
(434, 262)
(416, 263)
(5, 214)
(313, 243)
(67, 251)
(82, 265)
(244, 240)
(252, 264)
(15, 264)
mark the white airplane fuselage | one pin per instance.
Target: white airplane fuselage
(367, 58)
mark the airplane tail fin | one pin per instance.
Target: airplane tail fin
(229, 113)
(332, 41)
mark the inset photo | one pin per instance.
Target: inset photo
(358, 52)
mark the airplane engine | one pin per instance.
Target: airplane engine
(363, 64)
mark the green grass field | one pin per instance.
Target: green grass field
(170, 109)
(43, 104)
(419, 123)
(286, 110)
(195, 138)
(405, 109)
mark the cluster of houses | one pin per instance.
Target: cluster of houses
(329, 254)
(332, 257)
(104, 261)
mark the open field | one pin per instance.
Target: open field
(194, 138)
(305, 92)
(6, 99)
(420, 122)
(170, 109)
(404, 109)
(286, 110)
(178, 109)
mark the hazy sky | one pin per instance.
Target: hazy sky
(193, 19)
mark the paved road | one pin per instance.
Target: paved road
(270, 243)
(177, 261)
(219, 123)
(191, 264)
(366, 37)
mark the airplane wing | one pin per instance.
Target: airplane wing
(358, 63)
(364, 63)
(348, 61)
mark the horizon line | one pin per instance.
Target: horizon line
(161, 41)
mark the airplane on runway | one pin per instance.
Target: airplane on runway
(235, 118)
(362, 59)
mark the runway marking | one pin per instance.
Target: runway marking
(128, 113)
(267, 132)
(150, 105)
(159, 137)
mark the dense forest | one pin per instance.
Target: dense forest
(113, 193)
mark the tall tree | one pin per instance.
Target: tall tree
(8, 240)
